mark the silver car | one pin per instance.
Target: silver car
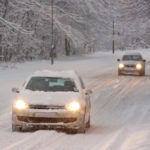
(55, 100)
(131, 63)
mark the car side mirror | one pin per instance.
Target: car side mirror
(118, 59)
(15, 90)
(88, 92)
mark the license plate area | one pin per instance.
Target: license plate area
(130, 69)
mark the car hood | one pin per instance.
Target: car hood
(49, 98)
(131, 62)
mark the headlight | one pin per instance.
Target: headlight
(20, 104)
(138, 66)
(121, 66)
(74, 106)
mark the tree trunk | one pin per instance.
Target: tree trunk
(67, 46)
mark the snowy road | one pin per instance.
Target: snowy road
(120, 107)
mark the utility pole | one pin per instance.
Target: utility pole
(113, 38)
(52, 42)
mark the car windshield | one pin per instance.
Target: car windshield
(132, 57)
(50, 84)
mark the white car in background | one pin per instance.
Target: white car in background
(131, 63)
(55, 100)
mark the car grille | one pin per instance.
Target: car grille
(46, 107)
(45, 120)
(130, 66)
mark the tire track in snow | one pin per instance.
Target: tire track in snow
(21, 138)
(113, 102)
(104, 145)
(81, 141)
(34, 140)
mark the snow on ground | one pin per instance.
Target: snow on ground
(120, 106)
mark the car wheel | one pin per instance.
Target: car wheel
(71, 131)
(88, 124)
(82, 129)
(16, 128)
(119, 73)
(142, 73)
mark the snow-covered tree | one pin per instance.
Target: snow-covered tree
(81, 26)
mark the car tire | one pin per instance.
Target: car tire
(88, 124)
(142, 73)
(119, 73)
(16, 128)
(82, 129)
(71, 131)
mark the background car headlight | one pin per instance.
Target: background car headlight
(20, 104)
(139, 66)
(121, 66)
(74, 106)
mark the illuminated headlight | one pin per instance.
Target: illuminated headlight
(74, 106)
(20, 104)
(121, 66)
(138, 66)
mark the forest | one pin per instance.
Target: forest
(79, 27)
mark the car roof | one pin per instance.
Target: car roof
(50, 73)
(132, 53)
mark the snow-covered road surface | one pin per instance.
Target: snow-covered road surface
(120, 107)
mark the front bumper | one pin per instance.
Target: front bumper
(128, 70)
(32, 118)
